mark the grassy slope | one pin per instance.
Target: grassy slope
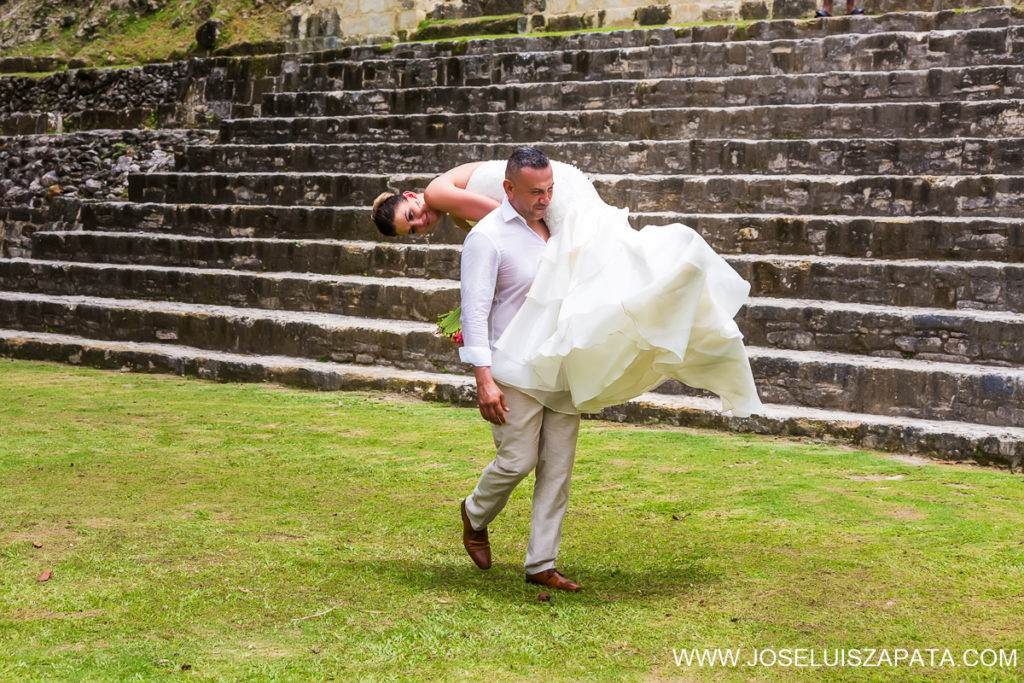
(165, 34)
(254, 531)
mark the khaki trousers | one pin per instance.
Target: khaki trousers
(533, 437)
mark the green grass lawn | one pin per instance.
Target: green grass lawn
(250, 531)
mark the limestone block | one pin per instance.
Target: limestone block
(720, 11)
(358, 25)
(409, 19)
(597, 5)
(375, 6)
(652, 15)
(574, 22)
(754, 10)
(685, 13)
(560, 6)
(381, 24)
(622, 16)
(793, 8)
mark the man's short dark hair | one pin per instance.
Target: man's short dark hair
(526, 157)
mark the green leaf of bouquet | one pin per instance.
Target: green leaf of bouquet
(450, 323)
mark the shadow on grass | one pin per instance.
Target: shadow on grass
(505, 581)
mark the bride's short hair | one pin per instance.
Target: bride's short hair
(383, 213)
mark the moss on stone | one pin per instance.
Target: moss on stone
(448, 22)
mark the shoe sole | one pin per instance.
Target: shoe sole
(544, 585)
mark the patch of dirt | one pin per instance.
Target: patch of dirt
(101, 523)
(48, 533)
(22, 614)
(280, 537)
(875, 477)
(906, 513)
(910, 459)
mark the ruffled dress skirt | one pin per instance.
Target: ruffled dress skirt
(613, 312)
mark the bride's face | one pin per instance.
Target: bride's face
(413, 216)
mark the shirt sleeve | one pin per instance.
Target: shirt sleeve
(479, 274)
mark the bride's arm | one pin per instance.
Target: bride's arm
(447, 193)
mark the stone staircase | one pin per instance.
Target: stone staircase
(863, 173)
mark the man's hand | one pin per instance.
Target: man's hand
(489, 397)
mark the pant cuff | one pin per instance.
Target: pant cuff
(542, 567)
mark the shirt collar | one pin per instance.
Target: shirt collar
(509, 214)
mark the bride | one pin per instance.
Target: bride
(612, 312)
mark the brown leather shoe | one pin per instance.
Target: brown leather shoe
(477, 544)
(552, 579)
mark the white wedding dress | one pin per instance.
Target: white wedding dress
(613, 312)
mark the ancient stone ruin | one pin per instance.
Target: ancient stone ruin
(863, 173)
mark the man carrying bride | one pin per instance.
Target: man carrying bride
(567, 309)
(499, 260)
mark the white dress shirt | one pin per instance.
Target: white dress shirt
(500, 258)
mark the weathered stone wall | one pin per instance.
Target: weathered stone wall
(17, 225)
(43, 178)
(79, 89)
(89, 165)
(139, 119)
(380, 20)
(186, 93)
(68, 99)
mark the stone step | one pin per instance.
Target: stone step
(943, 439)
(979, 337)
(814, 324)
(927, 237)
(889, 386)
(883, 16)
(836, 156)
(1002, 82)
(880, 195)
(934, 238)
(892, 51)
(327, 256)
(911, 388)
(398, 298)
(991, 286)
(776, 29)
(344, 189)
(307, 334)
(993, 118)
(376, 280)
(234, 220)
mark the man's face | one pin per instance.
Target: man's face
(529, 191)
